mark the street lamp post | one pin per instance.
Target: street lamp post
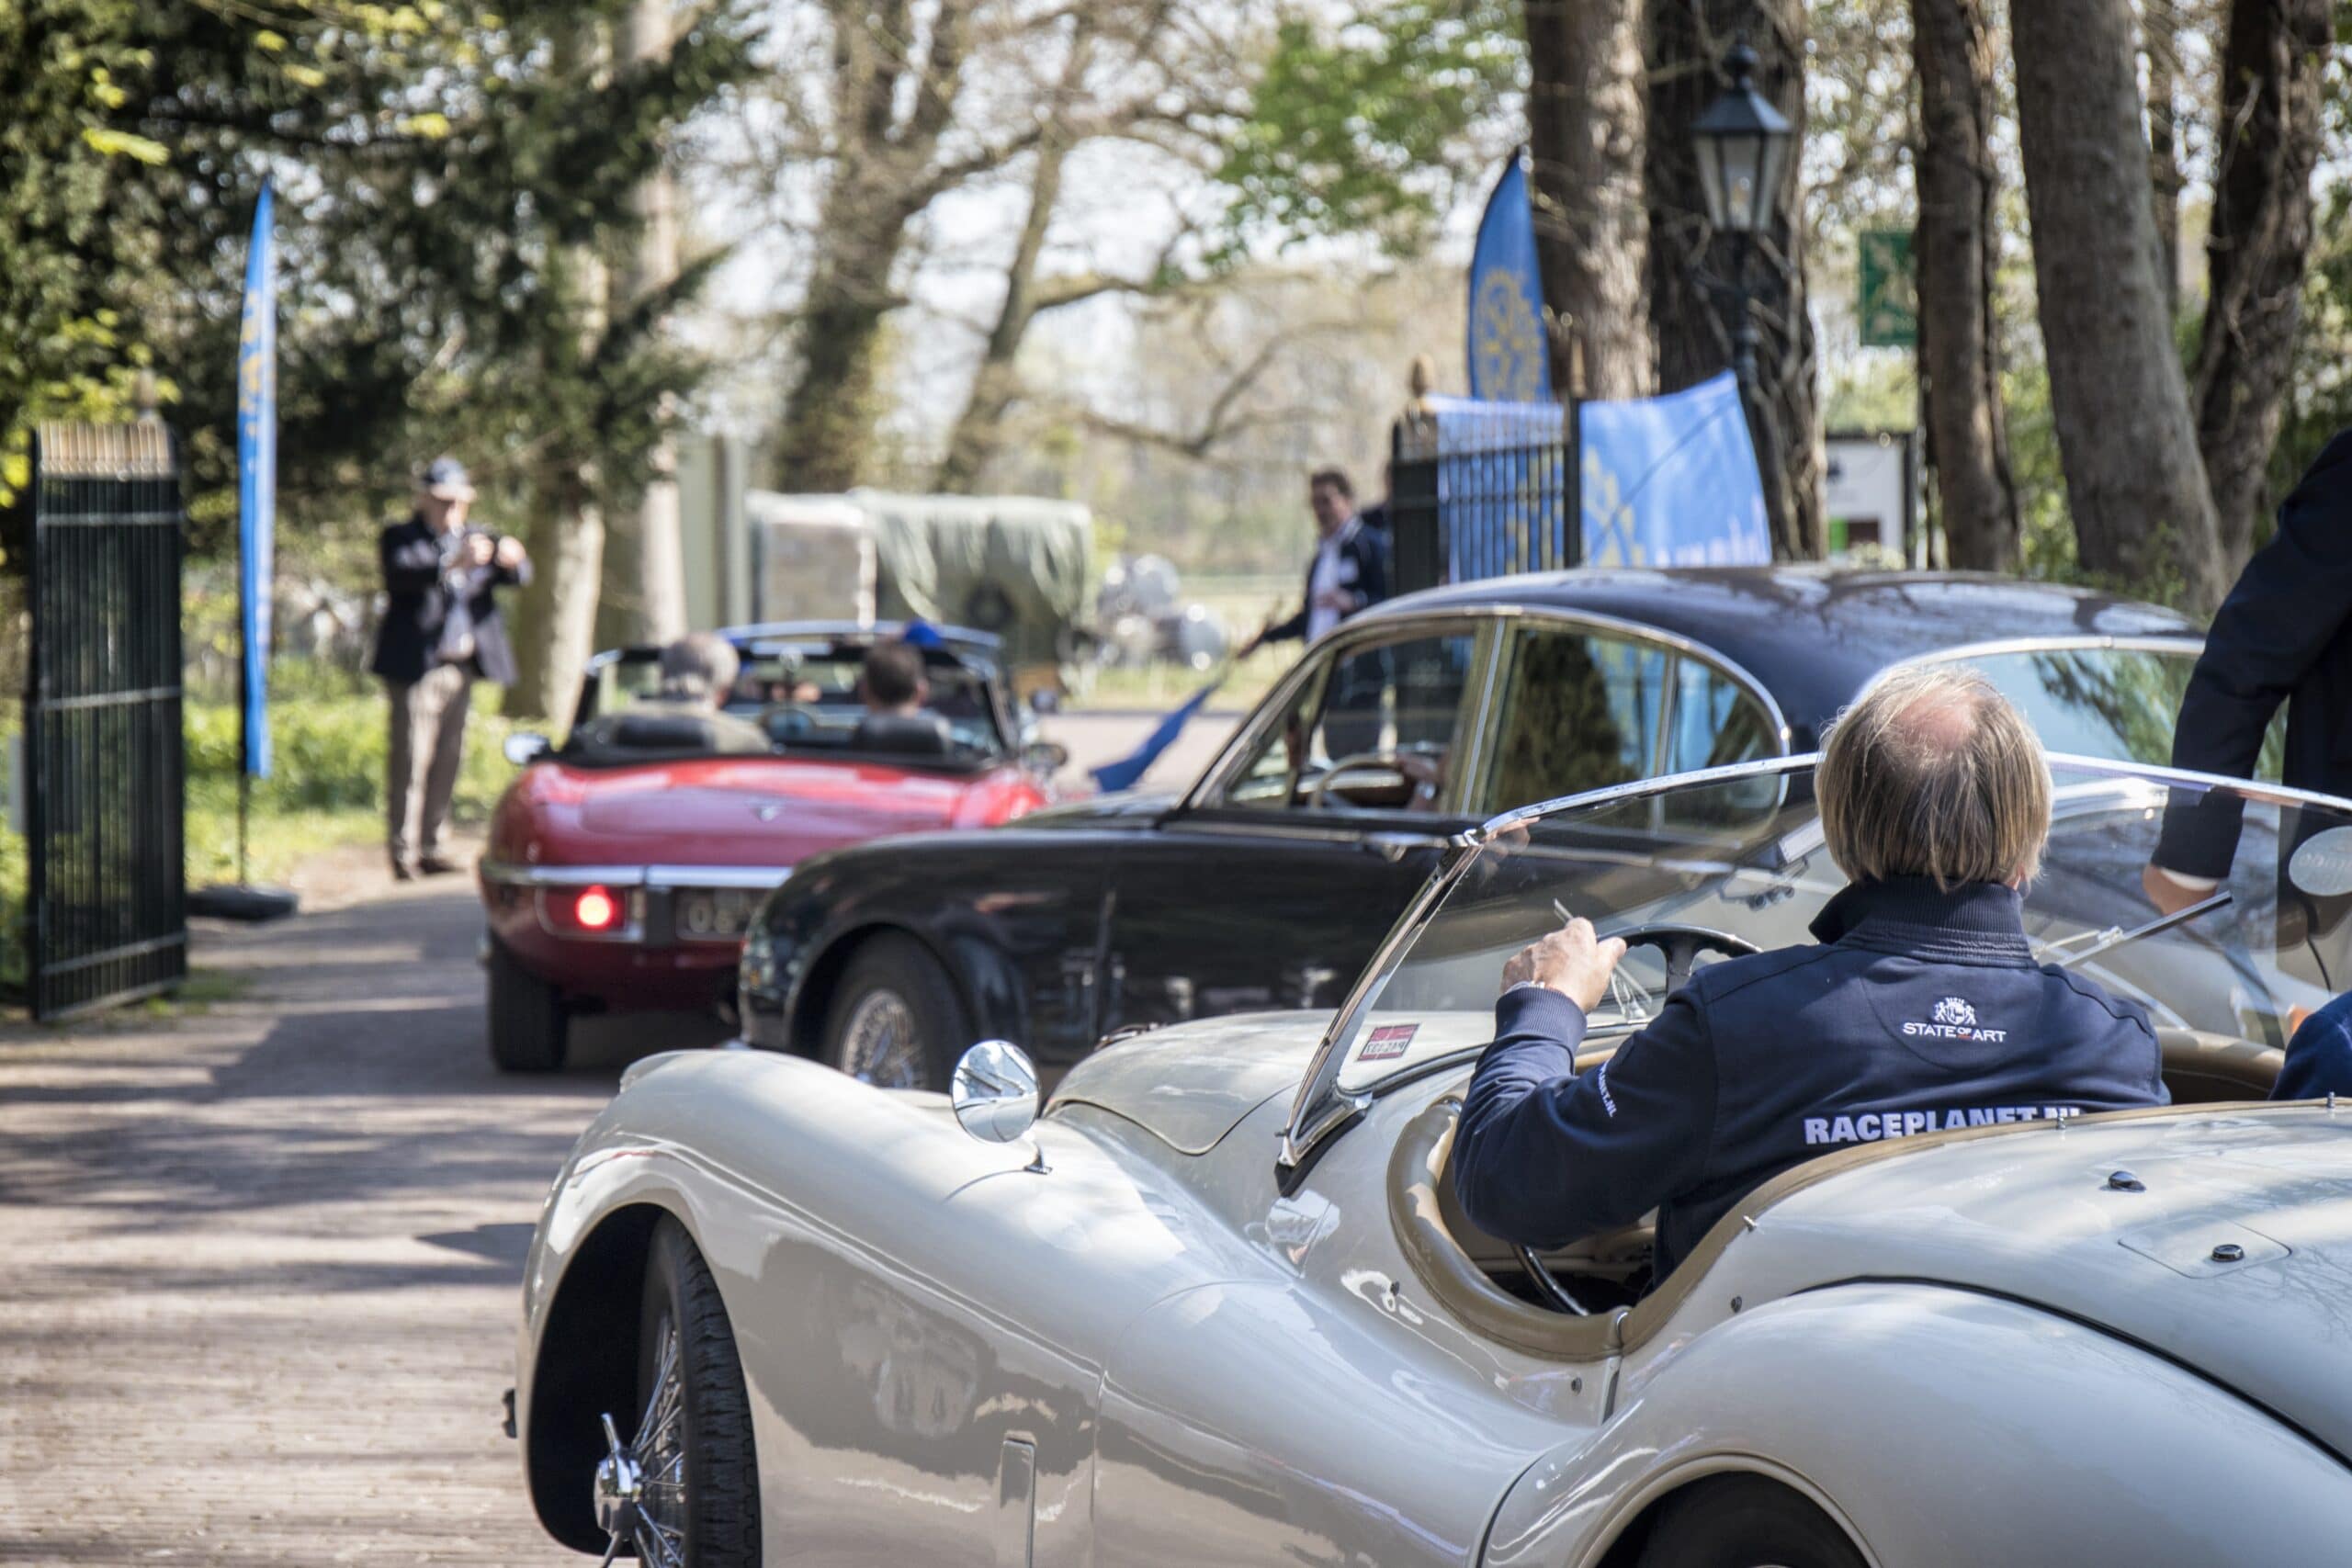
(1742, 143)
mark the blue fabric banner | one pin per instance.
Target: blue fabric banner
(257, 477)
(1510, 354)
(1672, 482)
(1129, 770)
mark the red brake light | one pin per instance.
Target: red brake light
(596, 909)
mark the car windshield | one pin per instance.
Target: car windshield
(803, 693)
(2109, 700)
(1737, 856)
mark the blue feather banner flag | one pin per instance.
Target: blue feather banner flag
(1128, 771)
(1511, 359)
(257, 477)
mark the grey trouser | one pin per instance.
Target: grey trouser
(428, 740)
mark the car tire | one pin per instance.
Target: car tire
(1746, 1521)
(894, 986)
(528, 1029)
(716, 1502)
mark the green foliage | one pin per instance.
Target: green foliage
(452, 186)
(328, 753)
(1365, 127)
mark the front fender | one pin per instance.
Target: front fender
(1940, 1426)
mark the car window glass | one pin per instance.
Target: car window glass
(2114, 703)
(1580, 712)
(1375, 732)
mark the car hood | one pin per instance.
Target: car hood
(759, 810)
(1190, 1084)
(2040, 1216)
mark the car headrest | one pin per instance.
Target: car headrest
(903, 735)
(649, 731)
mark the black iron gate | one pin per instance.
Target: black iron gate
(1481, 491)
(103, 779)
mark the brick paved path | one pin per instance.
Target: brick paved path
(259, 1265)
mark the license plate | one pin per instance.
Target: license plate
(716, 914)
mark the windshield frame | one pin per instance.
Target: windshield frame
(1321, 1108)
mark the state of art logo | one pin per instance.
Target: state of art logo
(1952, 1009)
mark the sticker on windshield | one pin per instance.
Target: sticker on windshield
(2321, 864)
(1387, 1042)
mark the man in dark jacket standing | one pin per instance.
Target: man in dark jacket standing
(2284, 635)
(441, 632)
(1348, 572)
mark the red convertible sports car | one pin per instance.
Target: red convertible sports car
(624, 866)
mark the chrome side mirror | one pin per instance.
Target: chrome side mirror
(995, 1091)
(524, 747)
(1045, 756)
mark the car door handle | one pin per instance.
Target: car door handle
(1394, 847)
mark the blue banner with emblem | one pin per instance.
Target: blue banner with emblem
(1510, 352)
(257, 477)
(1672, 480)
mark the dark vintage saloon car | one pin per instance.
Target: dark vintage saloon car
(1270, 881)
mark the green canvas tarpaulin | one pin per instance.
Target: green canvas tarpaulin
(1015, 566)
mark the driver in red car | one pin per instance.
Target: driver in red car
(1921, 1009)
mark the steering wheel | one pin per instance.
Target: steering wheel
(1392, 760)
(1680, 945)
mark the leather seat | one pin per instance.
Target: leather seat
(903, 735)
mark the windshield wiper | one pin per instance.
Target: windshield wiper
(2116, 936)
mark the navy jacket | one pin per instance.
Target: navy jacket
(417, 603)
(2319, 1058)
(2284, 635)
(1920, 1010)
(1367, 552)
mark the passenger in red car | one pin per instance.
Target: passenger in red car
(892, 683)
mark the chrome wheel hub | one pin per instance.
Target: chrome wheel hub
(640, 1485)
(879, 1045)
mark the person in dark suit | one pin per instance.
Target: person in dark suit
(441, 633)
(1348, 573)
(2284, 635)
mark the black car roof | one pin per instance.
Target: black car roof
(1812, 634)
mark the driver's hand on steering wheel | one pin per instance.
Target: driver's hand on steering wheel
(1572, 961)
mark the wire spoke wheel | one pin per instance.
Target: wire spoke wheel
(881, 1043)
(641, 1484)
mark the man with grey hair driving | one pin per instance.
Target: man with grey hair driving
(1920, 1009)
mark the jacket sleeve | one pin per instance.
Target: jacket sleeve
(2319, 1058)
(1287, 631)
(410, 567)
(1543, 1156)
(512, 576)
(2289, 604)
(1371, 571)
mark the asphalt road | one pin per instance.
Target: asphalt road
(262, 1255)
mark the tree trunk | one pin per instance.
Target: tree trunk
(646, 547)
(2268, 130)
(1687, 42)
(2160, 29)
(1956, 250)
(1587, 116)
(2135, 483)
(980, 429)
(556, 620)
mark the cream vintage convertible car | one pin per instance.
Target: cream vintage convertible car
(1218, 1303)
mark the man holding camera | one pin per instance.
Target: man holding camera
(441, 632)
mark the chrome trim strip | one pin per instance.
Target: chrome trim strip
(506, 873)
(2145, 642)
(756, 878)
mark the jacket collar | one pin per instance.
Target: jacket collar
(1978, 920)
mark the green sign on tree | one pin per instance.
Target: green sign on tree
(1888, 305)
